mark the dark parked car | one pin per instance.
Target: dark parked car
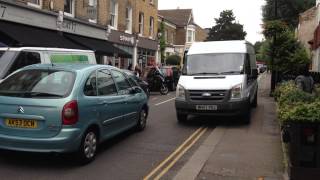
(143, 84)
(172, 75)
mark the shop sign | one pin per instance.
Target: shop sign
(127, 39)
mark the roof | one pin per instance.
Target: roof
(43, 49)
(68, 67)
(179, 17)
(220, 47)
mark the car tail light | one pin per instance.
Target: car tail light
(70, 113)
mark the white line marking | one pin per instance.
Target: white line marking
(165, 101)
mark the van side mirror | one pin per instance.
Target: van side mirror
(254, 73)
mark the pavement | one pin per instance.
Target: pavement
(249, 152)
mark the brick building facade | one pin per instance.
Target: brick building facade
(181, 29)
(130, 25)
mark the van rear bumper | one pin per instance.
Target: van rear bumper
(230, 108)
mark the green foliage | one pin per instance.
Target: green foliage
(226, 28)
(295, 105)
(257, 46)
(287, 10)
(263, 53)
(162, 41)
(173, 60)
(288, 54)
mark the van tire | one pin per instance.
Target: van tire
(182, 117)
(255, 101)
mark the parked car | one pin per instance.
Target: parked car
(172, 75)
(220, 79)
(68, 108)
(12, 59)
(135, 80)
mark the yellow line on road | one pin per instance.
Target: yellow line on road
(180, 155)
(172, 155)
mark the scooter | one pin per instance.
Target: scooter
(156, 81)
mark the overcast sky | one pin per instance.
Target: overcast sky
(247, 12)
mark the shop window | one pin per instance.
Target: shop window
(129, 20)
(141, 23)
(25, 59)
(151, 27)
(69, 7)
(35, 3)
(114, 14)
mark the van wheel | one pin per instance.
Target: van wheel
(255, 101)
(182, 117)
(88, 148)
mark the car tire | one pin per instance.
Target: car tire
(255, 101)
(88, 148)
(142, 121)
(182, 118)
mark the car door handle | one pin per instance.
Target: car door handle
(103, 103)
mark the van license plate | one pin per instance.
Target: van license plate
(206, 107)
(21, 123)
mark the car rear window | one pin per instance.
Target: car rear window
(38, 84)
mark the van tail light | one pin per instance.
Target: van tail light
(70, 115)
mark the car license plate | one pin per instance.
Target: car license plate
(21, 123)
(206, 107)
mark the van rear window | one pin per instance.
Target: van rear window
(63, 58)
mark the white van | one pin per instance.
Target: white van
(12, 59)
(218, 78)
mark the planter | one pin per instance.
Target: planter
(304, 149)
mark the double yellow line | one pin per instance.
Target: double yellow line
(170, 161)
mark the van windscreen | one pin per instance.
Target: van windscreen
(224, 63)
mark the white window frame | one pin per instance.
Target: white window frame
(191, 29)
(141, 24)
(93, 3)
(129, 20)
(39, 5)
(114, 14)
(151, 27)
(72, 14)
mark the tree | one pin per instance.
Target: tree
(162, 41)
(173, 60)
(226, 28)
(288, 54)
(257, 46)
(287, 10)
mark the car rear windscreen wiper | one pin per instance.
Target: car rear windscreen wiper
(41, 94)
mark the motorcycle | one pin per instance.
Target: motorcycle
(157, 82)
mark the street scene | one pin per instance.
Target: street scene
(159, 89)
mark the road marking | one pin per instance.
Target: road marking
(180, 155)
(156, 169)
(154, 98)
(165, 101)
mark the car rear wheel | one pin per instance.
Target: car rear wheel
(88, 148)
(142, 121)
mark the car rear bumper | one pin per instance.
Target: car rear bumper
(231, 108)
(68, 140)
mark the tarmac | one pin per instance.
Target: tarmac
(247, 152)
